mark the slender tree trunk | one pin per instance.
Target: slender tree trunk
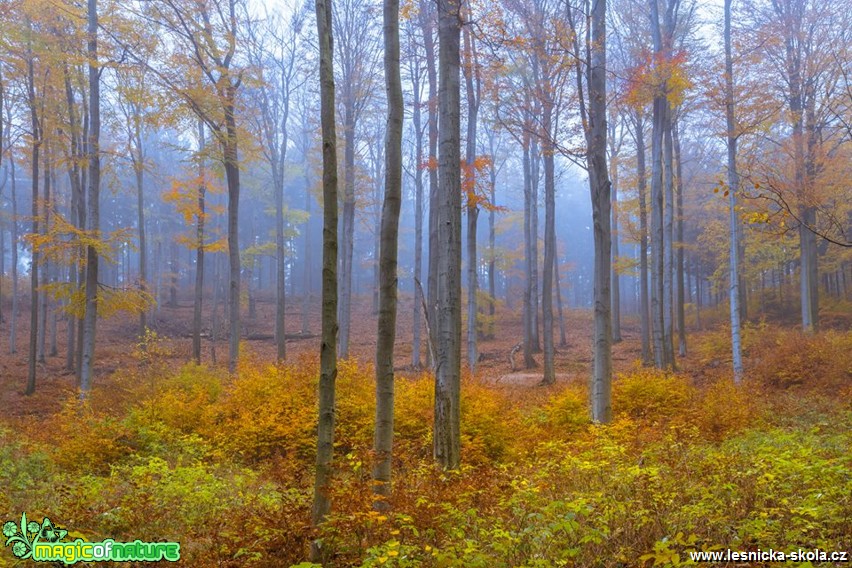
(472, 287)
(13, 340)
(347, 228)
(383, 440)
(668, 239)
(232, 175)
(733, 188)
(563, 336)
(432, 76)
(679, 274)
(614, 277)
(492, 250)
(36, 146)
(549, 252)
(44, 275)
(199, 253)
(417, 120)
(308, 269)
(328, 348)
(447, 435)
(472, 87)
(644, 303)
(140, 228)
(601, 387)
(657, 204)
(280, 267)
(529, 237)
(534, 292)
(214, 323)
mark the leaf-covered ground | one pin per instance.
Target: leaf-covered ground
(224, 464)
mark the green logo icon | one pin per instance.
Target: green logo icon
(44, 543)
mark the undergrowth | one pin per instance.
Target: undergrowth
(225, 466)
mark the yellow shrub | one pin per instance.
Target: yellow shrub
(266, 412)
(725, 408)
(568, 410)
(651, 394)
(87, 441)
(183, 399)
(490, 423)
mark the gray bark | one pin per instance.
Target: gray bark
(472, 87)
(199, 251)
(34, 162)
(733, 188)
(328, 347)
(447, 435)
(599, 185)
(644, 302)
(92, 203)
(680, 323)
(383, 439)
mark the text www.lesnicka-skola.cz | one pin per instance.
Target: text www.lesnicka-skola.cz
(800, 555)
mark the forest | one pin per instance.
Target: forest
(426, 283)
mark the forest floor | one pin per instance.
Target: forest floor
(169, 451)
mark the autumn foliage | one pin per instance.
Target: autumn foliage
(224, 465)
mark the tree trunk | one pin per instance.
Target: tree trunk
(308, 269)
(657, 232)
(472, 88)
(447, 435)
(492, 251)
(199, 253)
(44, 275)
(529, 237)
(36, 146)
(733, 188)
(563, 336)
(328, 348)
(93, 204)
(418, 220)
(549, 250)
(534, 299)
(614, 277)
(348, 228)
(13, 340)
(383, 439)
(644, 303)
(679, 275)
(601, 387)
(432, 76)
(232, 175)
(668, 238)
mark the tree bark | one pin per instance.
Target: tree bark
(417, 120)
(427, 16)
(657, 204)
(447, 435)
(679, 274)
(93, 203)
(383, 439)
(35, 151)
(471, 74)
(199, 251)
(644, 303)
(328, 347)
(733, 188)
(601, 387)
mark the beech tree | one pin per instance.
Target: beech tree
(386, 333)
(274, 51)
(447, 434)
(328, 347)
(205, 72)
(732, 189)
(357, 55)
